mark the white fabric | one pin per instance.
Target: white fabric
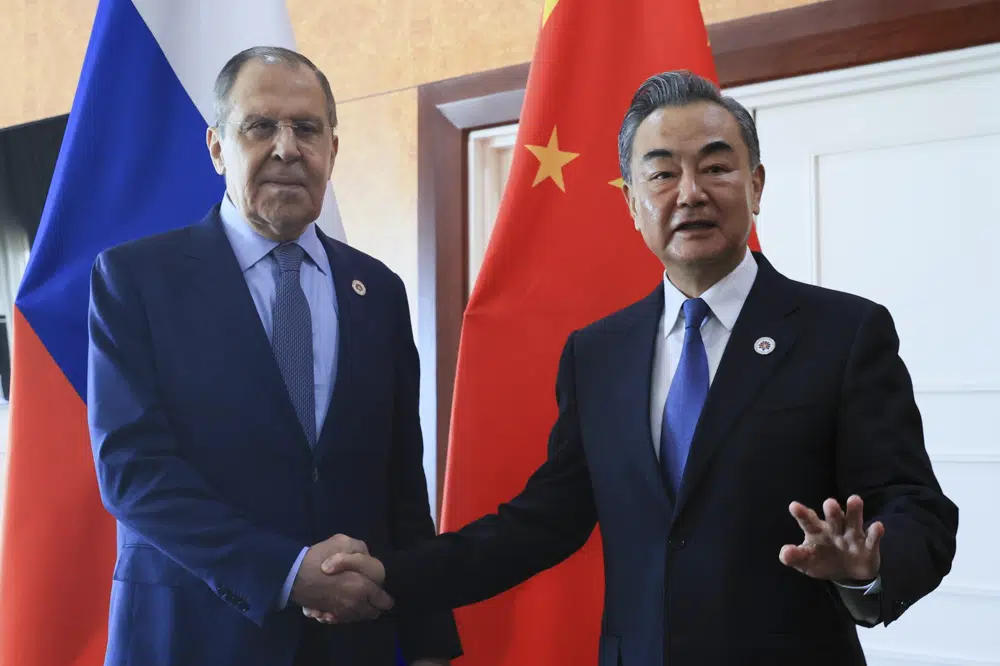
(198, 37)
(14, 250)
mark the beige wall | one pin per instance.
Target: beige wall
(41, 48)
(375, 52)
(404, 43)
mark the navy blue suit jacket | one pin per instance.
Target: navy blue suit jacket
(202, 461)
(695, 580)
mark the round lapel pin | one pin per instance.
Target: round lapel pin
(764, 346)
(359, 287)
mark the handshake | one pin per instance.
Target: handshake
(339, 582)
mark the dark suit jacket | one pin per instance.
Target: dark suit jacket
(201, 459)
(696, 580)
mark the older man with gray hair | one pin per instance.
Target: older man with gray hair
(253, 392)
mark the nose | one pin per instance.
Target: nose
(690, 192)
(286, 147)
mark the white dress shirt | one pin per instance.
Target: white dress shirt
(725, 301)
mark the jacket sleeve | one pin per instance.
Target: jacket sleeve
(144, 481)
(881, 457)
(422, 635)
(548, 521)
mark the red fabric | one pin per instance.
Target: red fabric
(557, 260)
(58, 541)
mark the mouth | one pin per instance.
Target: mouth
(283, 183)
(695, 226)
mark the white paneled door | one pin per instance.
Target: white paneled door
(884, 181)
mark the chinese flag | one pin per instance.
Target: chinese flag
(563, 253)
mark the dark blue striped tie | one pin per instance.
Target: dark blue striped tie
(686, 398)
(291, 337)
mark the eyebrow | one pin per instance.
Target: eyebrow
(708, 149)
(295, 118)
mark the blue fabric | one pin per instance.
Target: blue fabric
(292, 336)
(687, 394)
(194, 574)
(133, 142)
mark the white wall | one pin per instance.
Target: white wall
(880, 182)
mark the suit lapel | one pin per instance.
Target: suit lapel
(769, 311)
(630, 361)
(343, 276)
(228, 308)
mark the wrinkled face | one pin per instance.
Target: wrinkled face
(693, 194)
(276, 148)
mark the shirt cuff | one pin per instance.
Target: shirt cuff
(868, 589)
(286, 589)
(863, 601)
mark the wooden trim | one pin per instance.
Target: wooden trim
(837, 34)
(828, 35)
(447, 112)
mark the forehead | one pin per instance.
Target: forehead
(684, 130)
(277, 90)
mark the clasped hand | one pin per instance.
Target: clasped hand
(349, 593)
(344, 584)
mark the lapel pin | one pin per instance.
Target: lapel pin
(359, 287)
(764, 346)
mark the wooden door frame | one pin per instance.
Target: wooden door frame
(828, 35)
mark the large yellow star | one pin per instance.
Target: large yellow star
(551, 161)
(547, 12)
(617, 182)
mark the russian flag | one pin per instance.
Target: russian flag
(133, 163)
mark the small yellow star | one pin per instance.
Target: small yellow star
(551, 161)
(617, 182)
(547, 12)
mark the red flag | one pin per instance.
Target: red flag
(564, 252)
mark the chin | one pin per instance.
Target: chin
(286, 223)
(289, 212)
(698, 253)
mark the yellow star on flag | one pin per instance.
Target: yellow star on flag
(617, 182)
(547, 12)
(551, 161)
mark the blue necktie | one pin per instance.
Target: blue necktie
(687, 394)
(291, 336)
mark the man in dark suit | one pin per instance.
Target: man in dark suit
(693, 422)
(253, 390)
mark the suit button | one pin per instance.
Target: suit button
(677, 544)
(315, 475)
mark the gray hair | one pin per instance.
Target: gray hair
(679, 88)
(271, 55)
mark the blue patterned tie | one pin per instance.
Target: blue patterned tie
(291, 336)
(688, 391)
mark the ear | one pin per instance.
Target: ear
(757, 182)
(630, 202)
(214, 141)
(335, 148)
